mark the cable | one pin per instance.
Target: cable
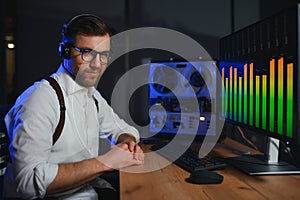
(286, 149)
(244, 137)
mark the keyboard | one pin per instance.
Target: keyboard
(190, 160)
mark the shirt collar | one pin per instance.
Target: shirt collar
(69, 84)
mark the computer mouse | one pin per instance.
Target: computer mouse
(205, 177)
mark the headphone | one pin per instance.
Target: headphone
(64, 49)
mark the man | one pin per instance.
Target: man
(71, 166)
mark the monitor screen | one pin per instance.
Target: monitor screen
(182, 98)
(261, 95)
(260, 71)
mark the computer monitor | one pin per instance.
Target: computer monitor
(174, 86)
(260, 70)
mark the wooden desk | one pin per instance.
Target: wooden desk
(169, 183)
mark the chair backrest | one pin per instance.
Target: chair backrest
(4, 141)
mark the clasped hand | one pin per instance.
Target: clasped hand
(124, 154)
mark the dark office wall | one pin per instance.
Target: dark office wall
(38, 33)
(2, 54)
(270, 7)
(39, 24)
(204, 21)
(245, 13)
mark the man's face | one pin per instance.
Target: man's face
(88, 73)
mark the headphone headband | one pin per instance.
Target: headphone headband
(64, 49)
(76, 17)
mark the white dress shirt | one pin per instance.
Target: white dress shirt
(31, 124)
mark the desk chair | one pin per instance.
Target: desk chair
(4, 141)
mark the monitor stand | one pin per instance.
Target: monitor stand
(262, 164)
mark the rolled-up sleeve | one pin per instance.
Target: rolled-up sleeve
(30, 124)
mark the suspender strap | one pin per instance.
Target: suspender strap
(96, 103)
(62, 106)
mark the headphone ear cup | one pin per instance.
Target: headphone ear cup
(64, 50)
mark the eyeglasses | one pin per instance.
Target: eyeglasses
(88, 55)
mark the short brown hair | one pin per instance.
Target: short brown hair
(86, 24)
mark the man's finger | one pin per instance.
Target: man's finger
(131, 146)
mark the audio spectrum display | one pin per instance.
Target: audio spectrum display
(258, 99)
(170, 102)
(259, 67)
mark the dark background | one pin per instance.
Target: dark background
(34, 26)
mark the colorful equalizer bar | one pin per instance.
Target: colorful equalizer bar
(260, 98)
